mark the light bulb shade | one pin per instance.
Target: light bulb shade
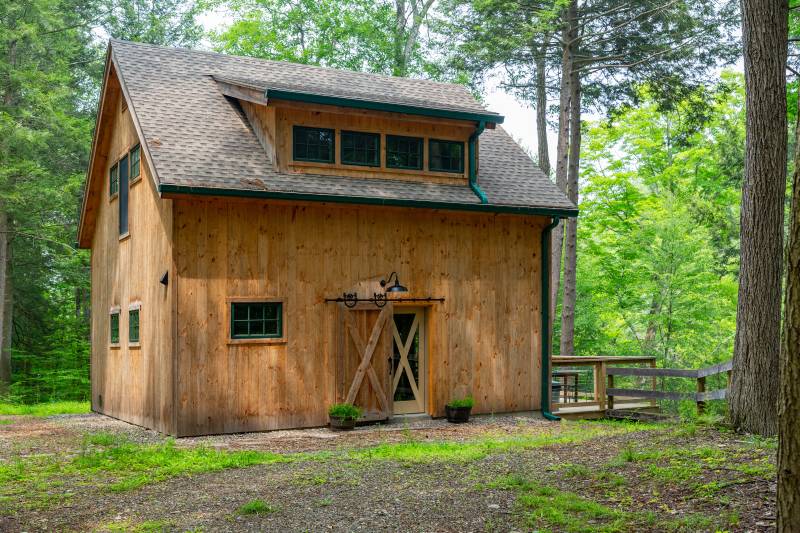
(396, 288)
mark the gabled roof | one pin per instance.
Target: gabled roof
(197, 140)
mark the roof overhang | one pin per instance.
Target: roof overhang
(169, 189)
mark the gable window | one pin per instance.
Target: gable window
(114, 326)
(256, 320)
(135, 161)
(361, 148)
(133, 325)
(123, 195)
(446, 156)
(313, 144)
(113, 180)
(403, 152)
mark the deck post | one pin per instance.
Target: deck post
(701, 387)
(610, 403)
(600, 385)
(654, 383)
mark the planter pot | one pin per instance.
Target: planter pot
(457, 415)
(342, 424)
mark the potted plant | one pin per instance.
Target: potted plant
(458, 410)
(343, 416)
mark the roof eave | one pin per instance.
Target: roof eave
(166, 188)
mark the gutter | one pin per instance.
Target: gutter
(473, 163)
(166, 188)
(545, 329)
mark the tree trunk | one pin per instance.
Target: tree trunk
(571, 253)
(753, 399)
(789, 400)
(5, 304)
(541, 111)
(569, 31)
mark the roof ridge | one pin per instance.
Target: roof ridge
(299, 65)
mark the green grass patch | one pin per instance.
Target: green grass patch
(6, 422)
(257, 507)
(44, 409)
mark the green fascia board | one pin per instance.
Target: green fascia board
(380, 106)
(166, 188)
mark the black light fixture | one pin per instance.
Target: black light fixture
(394, 288)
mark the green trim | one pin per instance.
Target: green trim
(380, 106)
(547, 379)
(364, 200)
(460, 169)
(277, 335)
(296, 129)
(473, 163)
(372, 135)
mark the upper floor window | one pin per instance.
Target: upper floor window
(256, 320)
(360, 148)
(446, 156)
(133, 325)
(313, 144)
(123, 195)
(113, 180)
(114, 326)
(135, 161)
(404, 152)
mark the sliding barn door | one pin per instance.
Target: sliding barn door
(364, 359)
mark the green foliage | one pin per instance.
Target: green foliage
(257, 507)
(44, 409)
(165, 23)
(344, 411)
(459, 403)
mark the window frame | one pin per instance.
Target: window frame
(420, 143)
(300, 127)
(124, 198)
(461, 165)
(282, 320)
(135, 310)
(369, 134)
(114, 312)
(133, 178)
(113, 179)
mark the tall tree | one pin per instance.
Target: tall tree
(789, 397)
(161, 22)
(754, 396)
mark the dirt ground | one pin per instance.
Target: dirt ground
(395, 495)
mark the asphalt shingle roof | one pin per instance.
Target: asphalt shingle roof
(197, 137)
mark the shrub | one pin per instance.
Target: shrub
(345, 411)
(469, 401)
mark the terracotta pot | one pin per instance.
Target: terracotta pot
(457, 415)
(342, 424)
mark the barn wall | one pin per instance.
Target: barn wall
(483, 339)
(135, 383)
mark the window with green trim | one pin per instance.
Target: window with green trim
(114, 329)
(313, 144)
(404, 152)
(359, 148)
(133, 325)
(135, 161)
(256, 320)
(113, 180)
(446, 156)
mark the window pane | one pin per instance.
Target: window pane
(256, 320)
(313, 144)
(133, 325)
(135, 156)
(123, 195)
(446, 156)
(360, 148)
(115, 328)
(240, 328)
(403, 152)
(113, 180)
(272, 328)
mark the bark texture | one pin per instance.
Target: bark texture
(571, 241)
(541, 112)
(754, 396)
(789, 401)
(5, 304)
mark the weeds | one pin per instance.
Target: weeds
(43, 409)
(257, 507)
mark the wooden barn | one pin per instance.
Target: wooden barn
(271, 238)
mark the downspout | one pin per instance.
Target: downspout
(545, 263)
(473, 163)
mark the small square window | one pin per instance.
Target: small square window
(133, 325)
(113, 180)
(404, 152)
(114, 330)
(135, 160)
(256, 320)
(446, 156)
(361, 148)
(313, 144)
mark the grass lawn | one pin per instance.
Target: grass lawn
(44, 409)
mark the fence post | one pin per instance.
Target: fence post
(654, 384)
(610, 402)
(701, 387)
